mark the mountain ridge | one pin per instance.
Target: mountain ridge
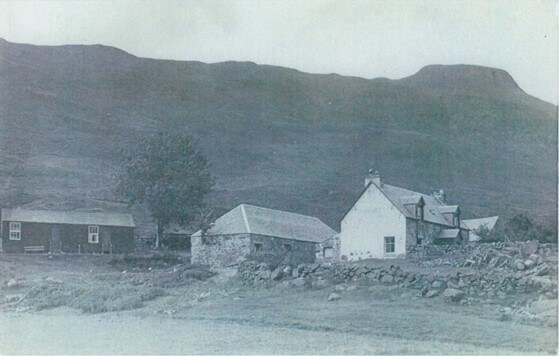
(64, 115)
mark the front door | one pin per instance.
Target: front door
(106, 243)
(55, 239)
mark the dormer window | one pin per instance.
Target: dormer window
(415, 205)
(451, 213)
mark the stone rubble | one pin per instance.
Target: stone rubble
(489, 271)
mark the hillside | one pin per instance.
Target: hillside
(275, 136)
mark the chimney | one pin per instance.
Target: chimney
(440, 196)
(373, 176)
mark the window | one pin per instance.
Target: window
(93, 235)
(257, 247)
(328, 252)
(287, 247)
(15, 231)
(389, 245)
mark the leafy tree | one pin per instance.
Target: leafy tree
(170, 175)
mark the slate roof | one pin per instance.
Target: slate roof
(269, 222)
(448, 209)
(431, 211)
(67, 217)
(448, 234)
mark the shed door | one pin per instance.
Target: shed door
(55, 239)
(106, 241)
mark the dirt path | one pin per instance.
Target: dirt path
(66, 332)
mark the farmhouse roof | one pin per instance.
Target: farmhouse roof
(431, 211)
(403, 200)
(269, 222)
(67, 217)
(445, 209)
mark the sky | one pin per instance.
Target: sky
(369, 39)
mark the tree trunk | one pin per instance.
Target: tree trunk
(159, 233)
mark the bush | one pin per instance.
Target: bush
(522, 228)
(158, 260)
(113, 299)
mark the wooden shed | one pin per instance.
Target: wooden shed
(25, 230)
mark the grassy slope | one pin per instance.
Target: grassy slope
(275, 136)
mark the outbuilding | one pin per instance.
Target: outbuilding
(252, 232)
(25, 230)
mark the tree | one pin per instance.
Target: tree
(170, 175)
(521, 227)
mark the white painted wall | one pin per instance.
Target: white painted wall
(371, 219)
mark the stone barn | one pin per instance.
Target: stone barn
(386, 221)
(251, 232)
(66, 231)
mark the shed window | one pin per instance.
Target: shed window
(93, 235)
(257, 247)
(287, 247)
(15, 231)
(389, 244)
(328, 252)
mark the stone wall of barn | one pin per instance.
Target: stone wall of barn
(276, 249)
(220, 250)
(73, 238)
(226, 250)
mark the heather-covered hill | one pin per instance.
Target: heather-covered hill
(275, 136)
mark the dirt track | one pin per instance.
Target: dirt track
(64, 331)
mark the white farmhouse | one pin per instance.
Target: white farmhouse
(385, 221)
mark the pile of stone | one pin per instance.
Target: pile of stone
(531, 257)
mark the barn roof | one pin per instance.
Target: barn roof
(67, 217)
(269, 222)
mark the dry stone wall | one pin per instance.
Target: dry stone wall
(220, 251)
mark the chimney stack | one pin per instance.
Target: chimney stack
(440, 196)
(373, 176)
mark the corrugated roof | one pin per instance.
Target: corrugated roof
(269, 222)
(448, 234)
(474, 224)
(400, 196)
(68, 217)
